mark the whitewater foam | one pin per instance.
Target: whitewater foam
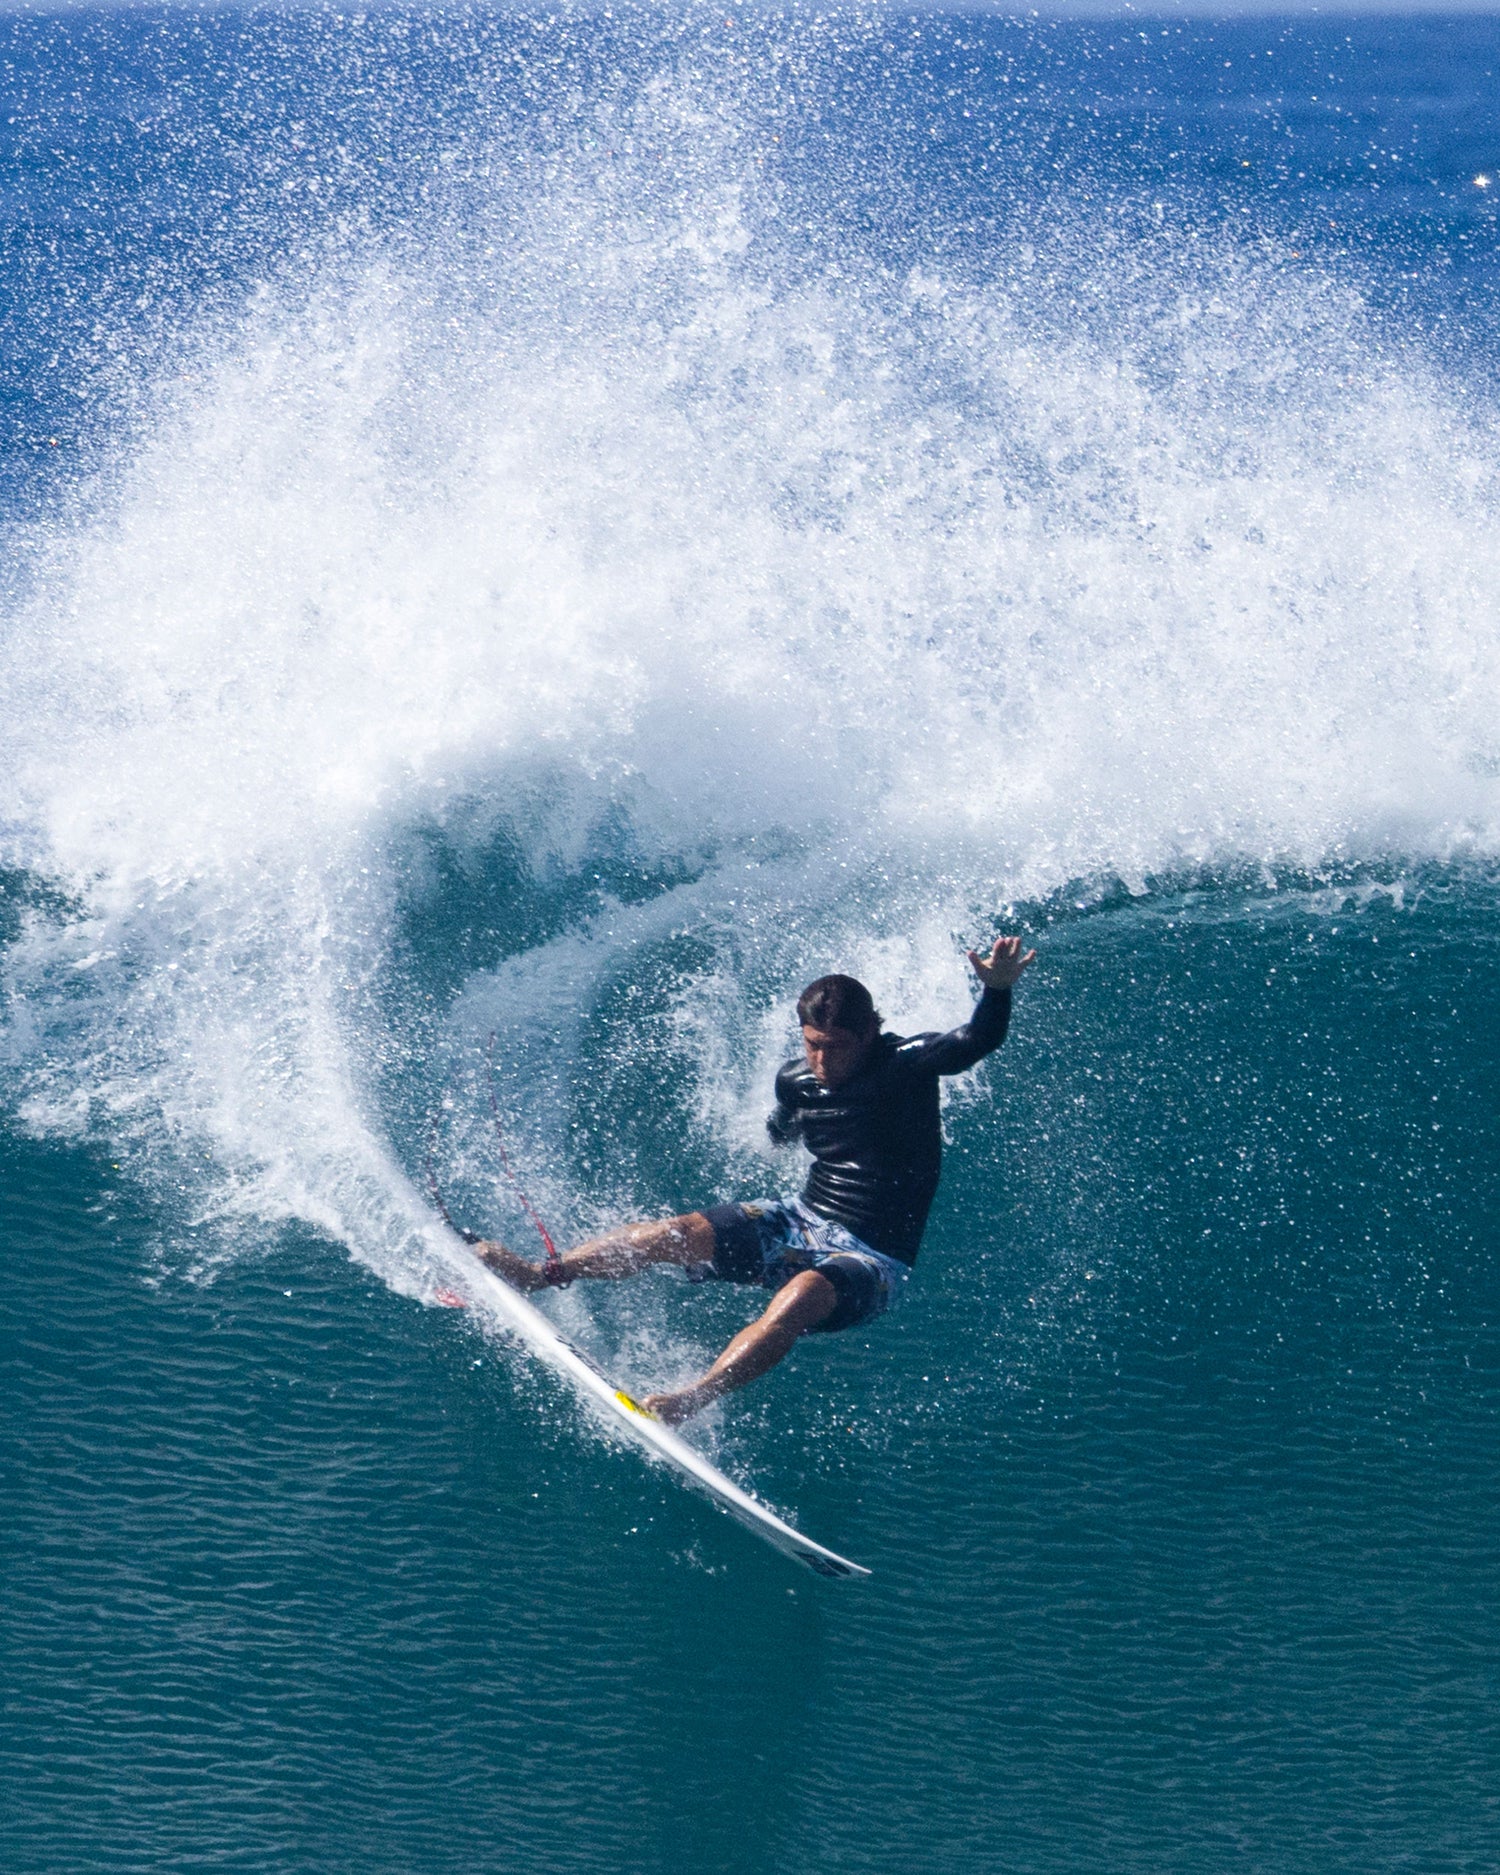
(727, 612)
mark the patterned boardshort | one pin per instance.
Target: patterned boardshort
(771, 1242)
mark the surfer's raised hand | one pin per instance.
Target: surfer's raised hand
(1004, 964)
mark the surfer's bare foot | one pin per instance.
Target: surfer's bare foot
(673, 1408)
(506, 1264)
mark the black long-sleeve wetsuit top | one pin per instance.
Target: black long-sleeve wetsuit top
(876, 1141)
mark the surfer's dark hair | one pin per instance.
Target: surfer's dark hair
(838, 1003)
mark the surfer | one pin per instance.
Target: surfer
(865, 1104)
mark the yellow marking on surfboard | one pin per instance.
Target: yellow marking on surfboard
(634, 1405)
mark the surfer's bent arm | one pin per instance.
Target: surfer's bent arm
(960, 1048)
(985, 1029)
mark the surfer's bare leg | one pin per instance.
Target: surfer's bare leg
(622, 1252)
(799, 1305)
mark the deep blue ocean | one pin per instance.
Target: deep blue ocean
(529, 536)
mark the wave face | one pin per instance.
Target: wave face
(532, 537)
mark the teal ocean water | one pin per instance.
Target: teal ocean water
(559, 529)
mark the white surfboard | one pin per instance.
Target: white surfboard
(530, 1326)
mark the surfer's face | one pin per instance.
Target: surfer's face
(836, 1055)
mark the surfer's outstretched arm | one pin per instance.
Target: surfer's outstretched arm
(623, 1252)
(798, 1306)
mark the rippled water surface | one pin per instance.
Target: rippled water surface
(527, 540)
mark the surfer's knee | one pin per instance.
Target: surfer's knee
(688, 1239)
(803, 1302)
